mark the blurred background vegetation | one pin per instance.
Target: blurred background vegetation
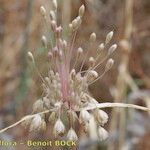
(21, 28)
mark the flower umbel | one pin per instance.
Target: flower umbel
(65, 88)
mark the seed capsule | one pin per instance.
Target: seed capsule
(101, 116)
(59, 127)
(36, 123)
(102, 133)
(71, 135)
(84, 116)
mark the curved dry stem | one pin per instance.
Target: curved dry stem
(101, 105)
(120, 105)
(23, 119)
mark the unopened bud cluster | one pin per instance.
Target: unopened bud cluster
(65, 89)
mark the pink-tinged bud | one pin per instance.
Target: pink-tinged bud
(102, 133)
(58, 31)
(60, 55)
(50, 55)
(71, 135)
(53, 25)
(55, 51)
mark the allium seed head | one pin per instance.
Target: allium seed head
(65, 88)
